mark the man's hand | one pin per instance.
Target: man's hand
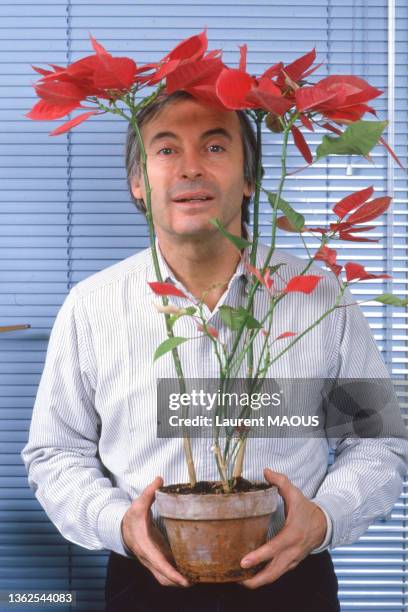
(304, 530)
(144, 539)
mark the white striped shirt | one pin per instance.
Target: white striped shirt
(92, 445)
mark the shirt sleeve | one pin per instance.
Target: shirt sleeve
(366, 476)
(61, 455)
(329, 530)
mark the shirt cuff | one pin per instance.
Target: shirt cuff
(326, 542)
(125, 548)
(109, 526)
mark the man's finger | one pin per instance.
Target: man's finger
(271, 549)
(159, 562)
(161, 578)
(272, 571)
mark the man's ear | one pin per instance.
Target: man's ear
(248, 189)
(136, 185)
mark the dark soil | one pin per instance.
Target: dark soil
(205, 487)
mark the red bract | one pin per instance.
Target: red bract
(306, 123)
(114, 73)
(355, 271)
(237, 90)
(284, 224)
(44, 110)
(297, 70)
(288, 79)
(165, 289)
(73, 122)
(352, 238)
(303, 283)
(185, 65)
(352, 201)
(267, 96)
(287, 334)
(318, 230)
(301, 144)
(191, 49)
(188, 68)
(329, 256)
(44, 72)
(266, 280)
(210, 329)
(341, 98)
(61, 94)
(370, 210)
(79, 72)
(197, 78)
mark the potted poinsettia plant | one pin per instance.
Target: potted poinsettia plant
(285, 101)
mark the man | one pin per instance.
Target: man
(92, 455)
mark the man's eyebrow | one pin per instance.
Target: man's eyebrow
(213, 132)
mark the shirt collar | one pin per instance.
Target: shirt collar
(241, 271)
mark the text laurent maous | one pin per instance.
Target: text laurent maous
(271, 421)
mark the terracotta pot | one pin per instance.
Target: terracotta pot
(210, 534)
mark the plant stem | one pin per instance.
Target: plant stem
(272, 247)
(314, 324)
(149, 217)
(254, 248)
(239, 460)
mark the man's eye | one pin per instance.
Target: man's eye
(165, 150)
(217, 147)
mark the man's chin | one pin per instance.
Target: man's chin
(193, 228)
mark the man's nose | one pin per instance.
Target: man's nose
(191, 165)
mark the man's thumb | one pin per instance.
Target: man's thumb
(281, 481)
(147, 496)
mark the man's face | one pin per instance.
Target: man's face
(195, 169)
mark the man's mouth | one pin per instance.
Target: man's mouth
(193, 197)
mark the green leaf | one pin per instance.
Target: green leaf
(391, 300)
(168, 345)
(358, 139)
(296, 219)
(238, 242)
(235, 317)
(273, 269)
(190, 310)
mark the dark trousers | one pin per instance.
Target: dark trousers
(310, 587)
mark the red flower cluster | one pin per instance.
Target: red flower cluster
(350, 211)
(354, 271)
(190, 67)
(363, 211)
(341, 98)
(357, 210)
(281, 88)
(62, 90)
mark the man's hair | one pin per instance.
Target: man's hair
(150, 111)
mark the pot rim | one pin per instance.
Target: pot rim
(213, 506)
